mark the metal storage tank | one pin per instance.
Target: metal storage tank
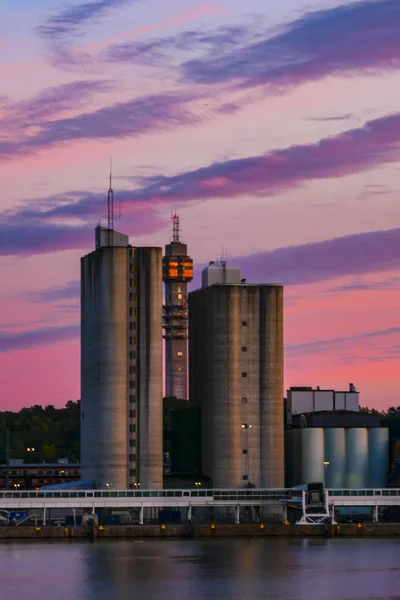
(378, 449)
(313, 454)
(335, 455)
(357, 457)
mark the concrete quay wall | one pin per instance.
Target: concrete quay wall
(201, 531)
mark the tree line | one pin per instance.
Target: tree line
(44, 434)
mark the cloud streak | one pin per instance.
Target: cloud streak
(354, 151)
(51, 102)
(45, 336)
(69, 291)
(359, 254)
(141, 115)
(68, 21)
(357, 37)
(333, 344)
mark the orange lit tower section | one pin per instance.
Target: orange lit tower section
(177, 272)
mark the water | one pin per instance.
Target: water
(287, 569)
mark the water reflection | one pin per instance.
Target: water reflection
(290, 569)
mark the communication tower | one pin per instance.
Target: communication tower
(177, 273)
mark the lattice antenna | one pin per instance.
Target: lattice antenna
(176, 228)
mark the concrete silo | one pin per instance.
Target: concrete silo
(236, 377)
(121, 368)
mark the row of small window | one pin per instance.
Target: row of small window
(132, 369)
(132, 414)
(132, 297)
(132, 458)
(132, 325)
(132, 399)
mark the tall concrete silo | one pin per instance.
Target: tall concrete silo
(121, 363)
(236, 376)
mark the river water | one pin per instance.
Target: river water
(240, 569)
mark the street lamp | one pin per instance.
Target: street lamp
(30, 449)
(197, 484)
(136, 485)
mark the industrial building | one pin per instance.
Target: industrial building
(121, 363)
(177, 273)
(306, 400)
(236, 378)
(329, 440)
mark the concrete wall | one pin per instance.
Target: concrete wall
(149, 365)
(104, 367)
(236, 376)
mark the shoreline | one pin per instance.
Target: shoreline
(343, 530)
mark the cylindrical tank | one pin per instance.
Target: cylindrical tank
(335, 457)
(272, 459)
(313, 455)
(378, 449)
(357, 457)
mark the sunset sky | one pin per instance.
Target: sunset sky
(270, 126)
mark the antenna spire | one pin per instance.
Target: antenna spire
(176, 228)
(110, 202)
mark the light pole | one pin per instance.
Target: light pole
(326, 465)
(246, 427)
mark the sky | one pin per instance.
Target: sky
(271, 128)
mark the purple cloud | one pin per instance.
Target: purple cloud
(70, 18)
(356, 150)
(361, 36)
(51, 102)
(69, 291)
(159, 51)
(135, 117)
(39, 337)
(334, 344)
(318, 261)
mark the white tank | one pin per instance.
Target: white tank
(313, 454)
(378, 446)
(357, 458)
(335, 455)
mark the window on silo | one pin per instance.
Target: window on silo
(244, 323)
(244, 374)
(244, 348)
(179, 353)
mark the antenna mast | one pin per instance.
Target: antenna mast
(110, 202)
(176, 228)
